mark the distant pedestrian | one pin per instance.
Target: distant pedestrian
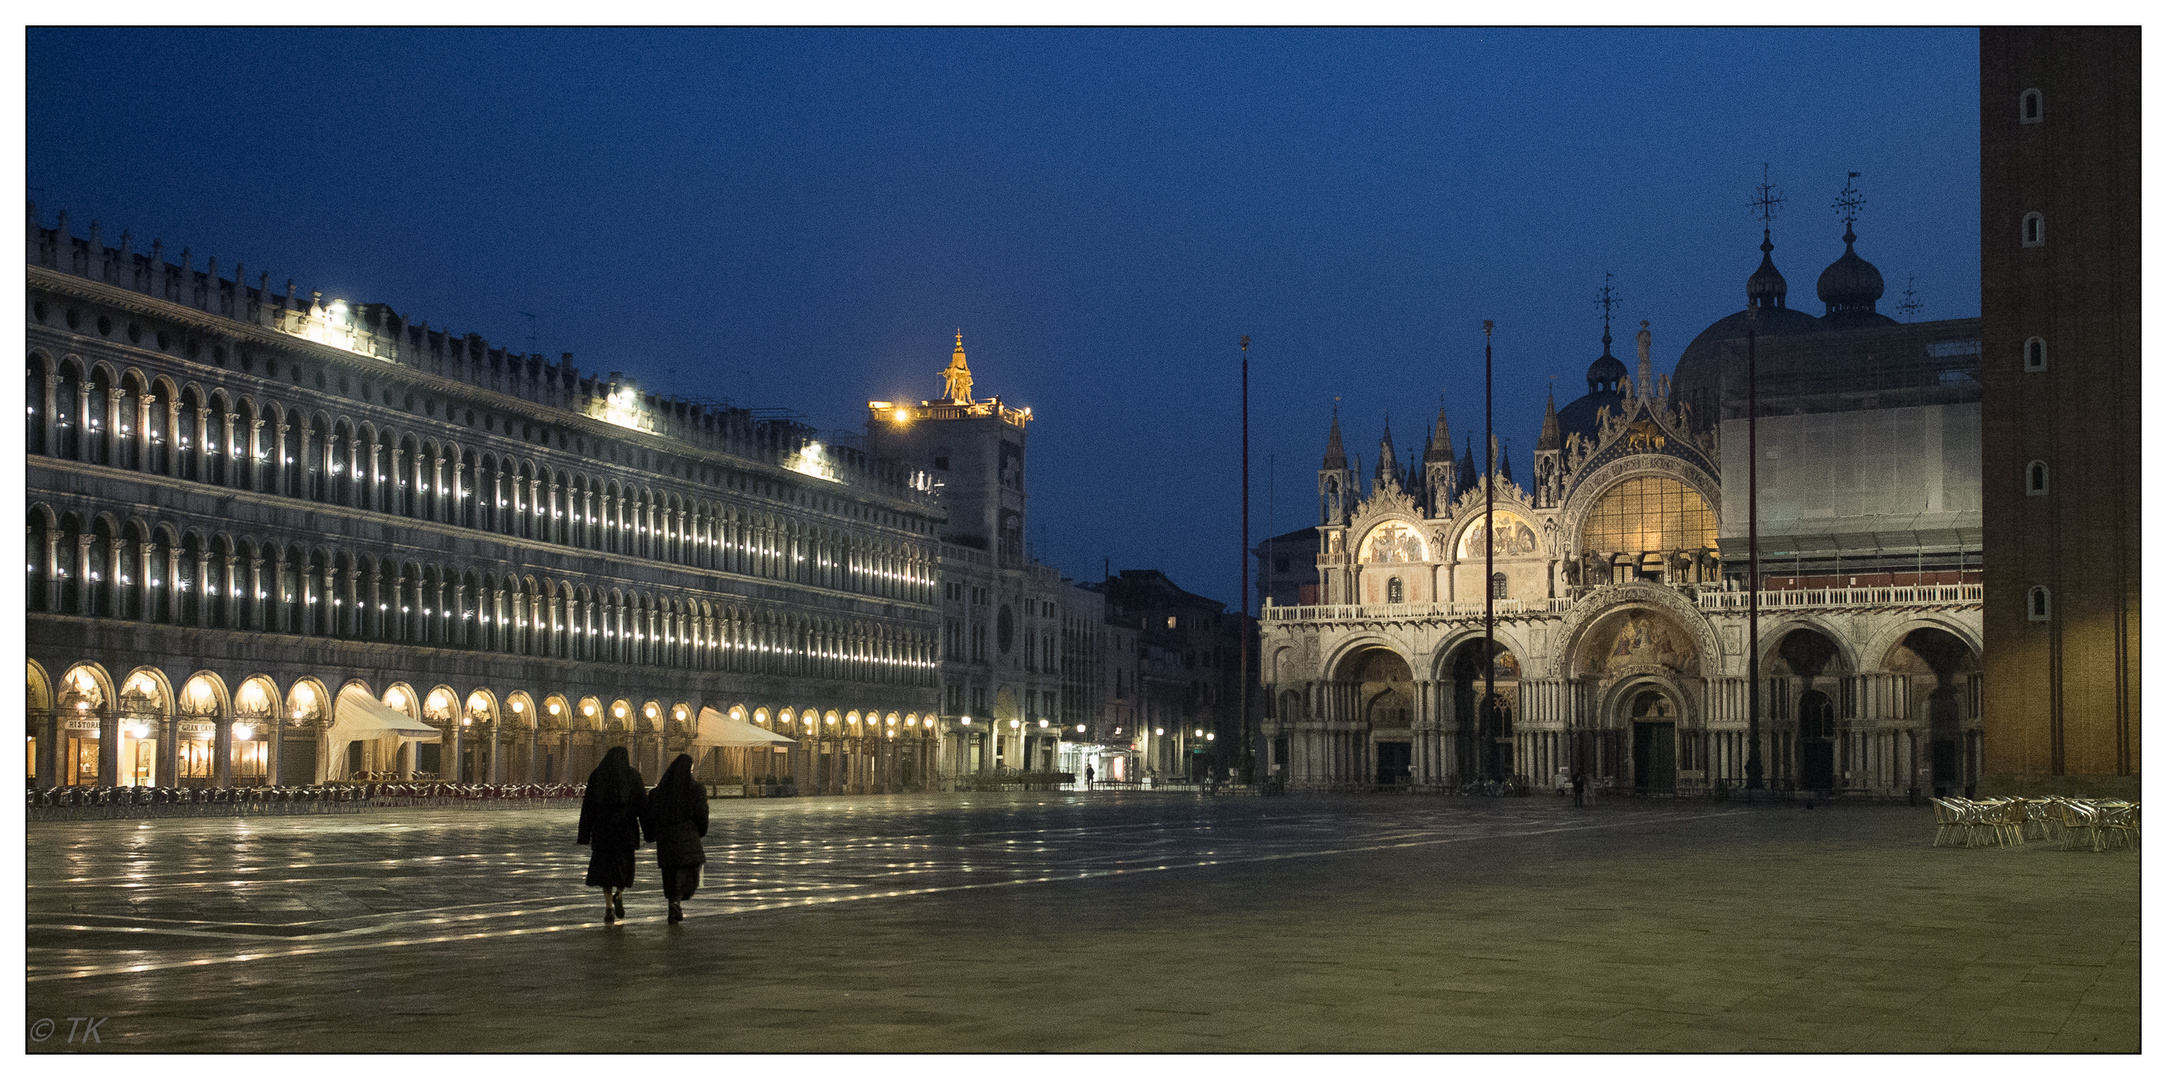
(676, 819)
(1089, 775)
(609, 822)
(1580, 788)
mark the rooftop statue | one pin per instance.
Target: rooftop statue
(957, 376)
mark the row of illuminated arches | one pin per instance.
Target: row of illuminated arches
(146, 694)
(130, 421)
(103, 567)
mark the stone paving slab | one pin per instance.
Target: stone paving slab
(1126, 922)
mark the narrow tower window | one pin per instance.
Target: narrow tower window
(2035, 354)
(1497, 586)
(2035, 478)
(2039, 606)
(1394, 592)
(2035, 229)
(2028, 107)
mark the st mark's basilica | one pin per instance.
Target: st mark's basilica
(1619, 574)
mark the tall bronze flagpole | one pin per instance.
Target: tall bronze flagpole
(1487, 715)
(1754, 767)
(1250, 747)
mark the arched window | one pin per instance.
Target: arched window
(2039, 607)
(2035, 354)
(1497, 586)
(1394, 592)
(2035, 478)
(2029, 107)
(1649, 514)
(2035, 229)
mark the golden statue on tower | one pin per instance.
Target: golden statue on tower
(957, 376)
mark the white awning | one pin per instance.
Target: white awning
(719, 730)
(358, 716)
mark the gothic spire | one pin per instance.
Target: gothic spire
(1387, 462)
(1550, 439)
(1440, 447)
(1335, 451)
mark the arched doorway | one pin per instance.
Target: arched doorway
(1943, 675)
(1806, 661)
(1816, 741)
(1655, 741)
(1484, 740)
(1381, 750)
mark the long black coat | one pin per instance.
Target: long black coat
(676, 819)
(609, 817)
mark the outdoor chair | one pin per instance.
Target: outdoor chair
(2117, 823)
(1948, 822)
(2006, 820)
(2080, 823)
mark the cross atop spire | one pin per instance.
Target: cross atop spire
(1847, 206)
(1606, 300)
(1767, 199)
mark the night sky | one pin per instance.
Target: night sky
(802, 219)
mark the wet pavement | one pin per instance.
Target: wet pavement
(1105, 922)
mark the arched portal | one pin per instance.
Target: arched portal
(1483, 700)
(1382, 684)
(1655, 740)
(1943, 693)
(1807, 668)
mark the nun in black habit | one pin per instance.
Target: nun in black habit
(675, 820)
(609, 823)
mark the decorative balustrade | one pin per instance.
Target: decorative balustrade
(1707, 599)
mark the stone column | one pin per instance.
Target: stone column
(108, 746)
(202, 449)
(169, 751)
(173, 437)
(496, 744)
(222, 749)
(85, 588)
(203, 584)
(454, 751)
(47, 725)
(114, 438)
(83, 434)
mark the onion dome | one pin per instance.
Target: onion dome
(1607, 372)
(1765, 289)
(1850, 286)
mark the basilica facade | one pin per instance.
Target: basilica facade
(1614, 586)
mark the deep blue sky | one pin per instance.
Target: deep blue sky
(801, 219)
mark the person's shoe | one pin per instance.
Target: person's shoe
(617, 903)
(677, 914)
(609, 914)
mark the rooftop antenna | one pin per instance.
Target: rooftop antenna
(1910, 305)
(533, 338)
